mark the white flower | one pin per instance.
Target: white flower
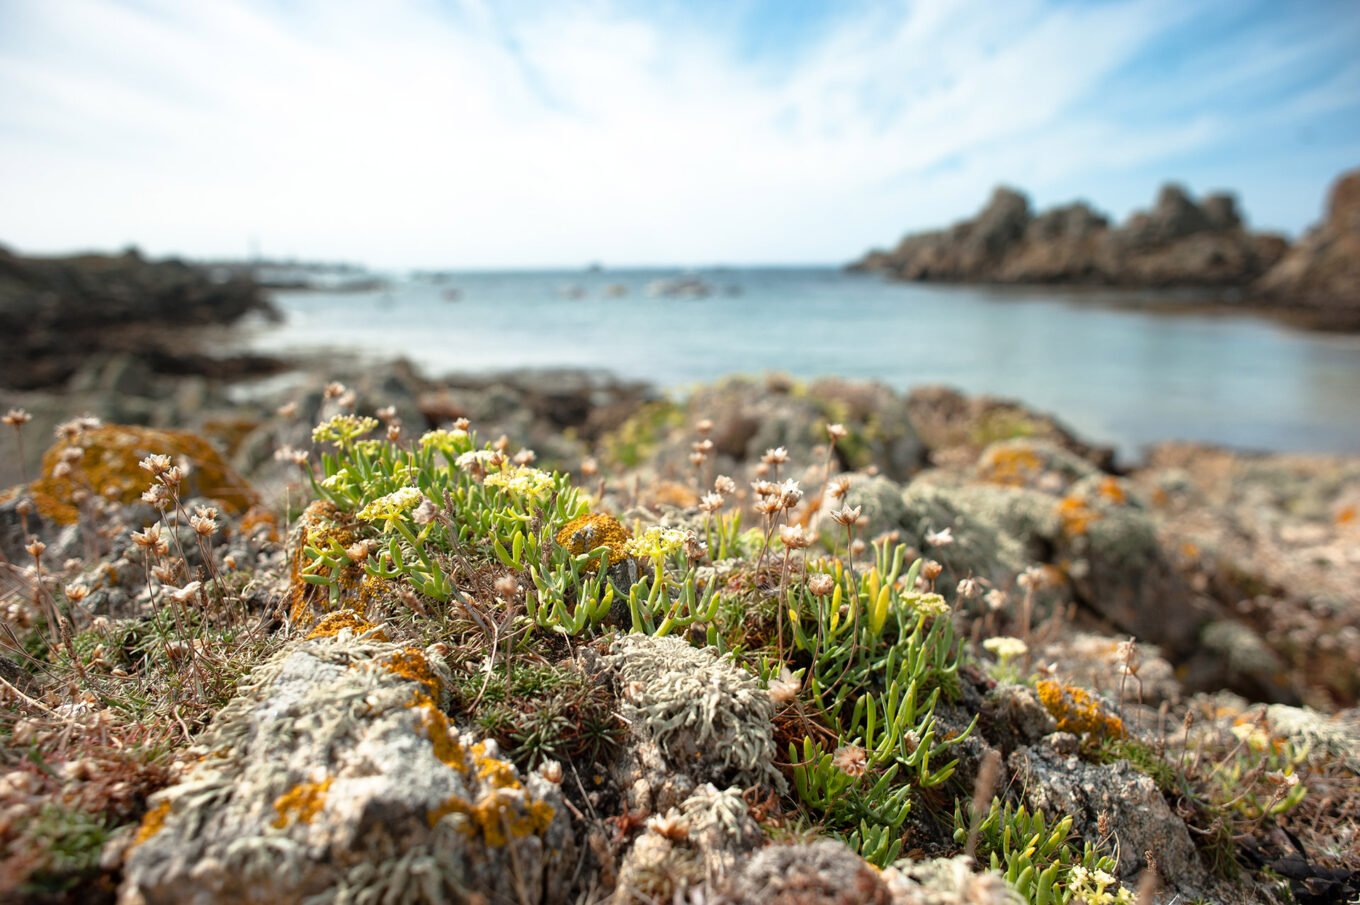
(940, 538)
(1006, 648)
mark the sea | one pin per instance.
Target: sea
(1116, 367)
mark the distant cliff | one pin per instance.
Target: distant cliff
(1180, 242)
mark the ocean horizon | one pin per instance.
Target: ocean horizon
(1107, 363)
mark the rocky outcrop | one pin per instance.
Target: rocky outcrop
(1321, 274)
(56, 312)
(1179, 242)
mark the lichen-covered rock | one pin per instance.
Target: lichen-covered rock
(335, 776)
(1234, 656)
(694, 845)
(1124, 800)
(824, 872)
(947, 881)
(1336, 736)
(1036, 464)
(695, 718)
(1013, 716)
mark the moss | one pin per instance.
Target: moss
(109, 466)
(301, 803)
(583, 534)
(1078, 711)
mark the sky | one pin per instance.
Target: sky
(468, 134)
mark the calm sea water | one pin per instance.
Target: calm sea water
(1113, 373)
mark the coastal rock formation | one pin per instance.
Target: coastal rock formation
(1179, 242)
(1322, 272)
(56, 312)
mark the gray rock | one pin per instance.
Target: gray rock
(1134, 810)
(333, 776)
(1014, 717)
(947, 881)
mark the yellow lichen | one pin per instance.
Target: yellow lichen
(108, 465)
(1111, 490)
(152, 823)
(492, 770)
(412, 665)
(334, 623)
(301, 803)
(498, 816)
(1076, 515)
(1014, 466)
(443, 738)
(1077, 711)
(586, 533)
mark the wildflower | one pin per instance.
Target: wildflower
(359, 551)
(1006, 648)
(969, 588)
(724, 485)
(589, 467)
(996, 599)
(930, 605)
(163, 573)
(61, 469)
(836, 432)
(525, 457)
(35, 548)
(343, 429)
(150, 539)
(173, 475)
(784, 689)
(711, 502)
(203, 526)
(522, 481)
(672, 826)
(387, 414)
(940, 538)
(768, 505)
(794, 537)
(551, 770)
(156, 464)
(461, 424)
(425, 513)
(838, 488)
(656, 543)
(77, 592)
(205, 511)
(851, 760)
(789, 494)
(334, 390)
(289, 454)
(16, 418)
(287, 410)
(764, 488)
(507, 586)
(186, 593)
(858, 546)
(704, 427)
(777, 456)
(229, 562)
(390, 509)
(393, 432)
(821, 584)
(847, 516)
(704, 446)
(697, 458)
(1031, 579)
(930, 570)
(480, 461)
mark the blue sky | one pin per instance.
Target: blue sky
(471, 134)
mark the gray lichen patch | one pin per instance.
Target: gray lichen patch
(334, 776)
(709, 718)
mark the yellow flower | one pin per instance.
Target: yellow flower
(656, 543)
(1006, 648)
(390, 509)
(343, 429)
(522, 481)
(449, 442)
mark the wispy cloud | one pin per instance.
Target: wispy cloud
(455, 134)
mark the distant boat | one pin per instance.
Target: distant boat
(690, 287)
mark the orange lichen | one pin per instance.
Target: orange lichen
(334, 623)
(1014, 466)
(447, 749)
(499, 816)
(152, 823)
(412, 665)
(108, 465)
(1112, 491)
(260, 519)
(492, 770)
(1076, 515)
(1077, 711)
(1348, 515)
(586, 533)
(301, 803)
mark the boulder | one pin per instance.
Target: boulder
(1320, 275)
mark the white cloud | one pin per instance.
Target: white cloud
(412, 133)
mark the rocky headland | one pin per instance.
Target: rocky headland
(1180, 243)
(773, 641)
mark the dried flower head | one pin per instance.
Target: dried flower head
(16, 418)
(287, 410)
(930, 570)
(186, 593)
(940, 538)
(77, 592)
(334, 390)
(821, 584)
(784, 689)
(697, 458)
(35, 547)
(777, 456)
(838, 488)
(461, 424)
(847, 516)
(551, 770)
(289, 454)
(156, 464)
(507, 587)
(764, 488)
(996, 599)
(851, 760)
(203, 527)
(672, 826)
(387, 414)
(589, 467)
(969, 588)
(724, 485)
(704, 427)
(836, 432)
(150, 539)
(789, 494)
(795, 537)
(711, 502)
(1032, 578)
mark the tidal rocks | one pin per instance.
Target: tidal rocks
(1321, 273)
(1179, 242)
(57, 311)
(335, 774)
